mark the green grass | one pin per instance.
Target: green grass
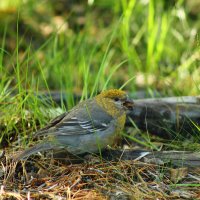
(135, 45)
(82, 49)
(185, 185)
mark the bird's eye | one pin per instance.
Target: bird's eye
(116, 99)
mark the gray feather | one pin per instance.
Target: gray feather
(77, 131)
(32, 150)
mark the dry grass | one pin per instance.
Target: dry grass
(49, 179)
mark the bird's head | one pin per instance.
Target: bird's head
(118, 99)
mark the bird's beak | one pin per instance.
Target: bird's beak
(128, 104)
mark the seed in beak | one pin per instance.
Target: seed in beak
(128, 103)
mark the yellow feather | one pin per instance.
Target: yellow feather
(113, 93)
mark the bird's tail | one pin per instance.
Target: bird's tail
(32, 150)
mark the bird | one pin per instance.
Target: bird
(89, 127)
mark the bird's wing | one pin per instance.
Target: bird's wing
(51, 124)
(78, 121)
(74, 126)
